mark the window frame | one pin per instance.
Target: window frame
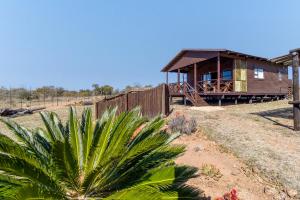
(257, 72)
(231, 74)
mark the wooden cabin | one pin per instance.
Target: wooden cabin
(217, 74)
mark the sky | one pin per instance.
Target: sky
(75, 43)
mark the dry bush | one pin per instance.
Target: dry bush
(211, 171)
(182, 125)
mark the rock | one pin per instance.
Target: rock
(270, 191)
(235, 172)
(280, 196)
(255, 170)
(198, 148)
(291, 193)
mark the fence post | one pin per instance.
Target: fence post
(163, 100)
(126, 101)
(44, 97)
(10, 98)
(30, 98)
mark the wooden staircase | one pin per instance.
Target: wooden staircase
(193, 96)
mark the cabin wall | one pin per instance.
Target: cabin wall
(271, 82)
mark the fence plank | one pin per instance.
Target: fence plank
(152, 102)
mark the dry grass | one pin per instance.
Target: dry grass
(211, 171)
(260, 134)
(34, 120)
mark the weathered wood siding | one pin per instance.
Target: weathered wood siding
(271, 82)
(152, 102)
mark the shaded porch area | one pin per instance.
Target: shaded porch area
(215, 75)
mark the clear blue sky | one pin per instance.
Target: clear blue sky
(74, 43)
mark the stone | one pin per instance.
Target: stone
(270, 191)
(198, 148)
(280, 196)
(235, 172)
(291, 193)
(255, 170)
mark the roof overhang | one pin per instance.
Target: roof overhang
(213, 52)
(287, 59)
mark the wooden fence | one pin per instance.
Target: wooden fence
(152, 102)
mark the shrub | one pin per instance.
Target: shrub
(87, 160)
(211, 171)
(182, 125)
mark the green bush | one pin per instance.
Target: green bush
(86, 160)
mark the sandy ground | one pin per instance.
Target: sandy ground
(234, 174)
(258, 134)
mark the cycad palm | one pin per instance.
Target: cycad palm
(86, 160)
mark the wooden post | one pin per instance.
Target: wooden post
(126, 101)
(167, 78)
(178, 80)
(163, 101)
(296, 107)
(195, 76)
(218, 73)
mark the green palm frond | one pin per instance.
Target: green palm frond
(121, 156)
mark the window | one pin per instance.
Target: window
(280, 75)
(227, 75)
(259, 73)
(207, 77)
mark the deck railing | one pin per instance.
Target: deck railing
(210, 86)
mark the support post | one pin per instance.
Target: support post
(218, 73)
(178, 80)
(220, 102)
(195, 76)
(235, 101)
(250, 100)
(167, 78)
(296, 108)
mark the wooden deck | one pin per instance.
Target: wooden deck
(198, 97)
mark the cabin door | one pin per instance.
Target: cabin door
(240, 76)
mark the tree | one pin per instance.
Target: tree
(85, 93)
(23, 94)
(107, 90)
(117, 157)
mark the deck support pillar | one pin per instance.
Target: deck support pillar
(218, 73)
(220, 102)
(195, 79)
(178, 79)
(235, 101)
(250, 100)
(167, 78)
(296, 96)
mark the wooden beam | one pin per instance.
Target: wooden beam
(167, 78)
(218, 73)
(195, 77)
(296, 97)
(178, 78)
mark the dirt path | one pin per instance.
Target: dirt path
(234, 174)
(254, 133)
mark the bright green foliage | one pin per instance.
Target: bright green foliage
(86, 160)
